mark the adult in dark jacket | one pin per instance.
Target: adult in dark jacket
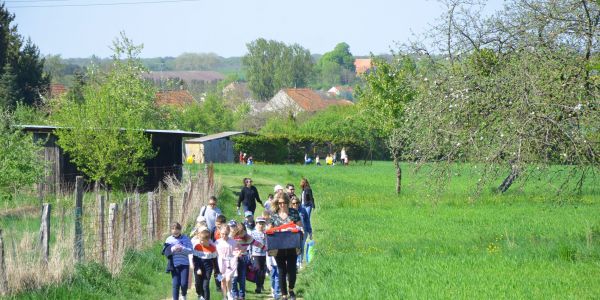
(308, 201)
(248, 197)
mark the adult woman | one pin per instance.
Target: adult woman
(285, 258)
(308, 201)
(248, 197)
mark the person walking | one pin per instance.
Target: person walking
(285, 258)
(306, 227)
(307, 199)
(177, 248)
(248, 197)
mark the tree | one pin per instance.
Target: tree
(384, 98)
(272, 65)
(337, 66)
(211, 116)
(31, 78)
(26, 63)
(104, 134)
(19, 160)
(9, 89)
(515, 95)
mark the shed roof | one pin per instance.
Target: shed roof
(216, 136)
(47, 128)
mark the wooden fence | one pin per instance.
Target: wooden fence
(99, 230)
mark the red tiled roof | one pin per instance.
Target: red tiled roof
(177, 98)
(309, 100)
(362, 65)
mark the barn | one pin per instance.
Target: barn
(61, 172)
(212, 148)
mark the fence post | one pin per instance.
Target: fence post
(169, 211)
(45, 234)
(124, 223)
(78, 215)
(138, 221)
(112, 218)
(151, 217)
(130, 230)
(3, 278)
(101, 238)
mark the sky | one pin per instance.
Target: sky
(81, 28)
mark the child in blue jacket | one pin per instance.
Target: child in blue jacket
(177, 249)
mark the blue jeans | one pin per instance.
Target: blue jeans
(308, 210)
(275, 282)
(302, 249)
(239, 282)
(179, 279)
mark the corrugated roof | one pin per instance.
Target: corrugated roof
(216, 136)
(47, 128)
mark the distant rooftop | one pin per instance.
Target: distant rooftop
(187, 76)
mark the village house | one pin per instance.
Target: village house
(177, 98)
(362, 65)
(296, 100)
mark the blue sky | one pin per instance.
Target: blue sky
(222, 26)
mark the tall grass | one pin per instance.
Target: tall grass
(434, 243)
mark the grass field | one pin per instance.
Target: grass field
(372, 244)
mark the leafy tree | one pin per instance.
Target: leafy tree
(384, 99)
(10, 40)
(518, 94)
(19, 159)
(272, 65)
(337, 66)
(103, 134)
(210, 116)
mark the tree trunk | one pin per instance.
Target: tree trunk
(508, 181)
(398, 175)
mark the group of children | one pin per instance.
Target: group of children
(229, 250)
(330, 159)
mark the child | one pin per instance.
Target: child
(258, 254)
(219, 221)
(200, 225)
(178, 246)
(203, 262)
(272, 266)
(243, 240)
(270, 199)
(227, 260)
(249, 221)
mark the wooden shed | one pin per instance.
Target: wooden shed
(212, 148)
(61, 172)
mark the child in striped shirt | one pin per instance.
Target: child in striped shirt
(203, 262)
(178, 247)
(243, 240)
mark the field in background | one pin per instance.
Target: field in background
(527, 243)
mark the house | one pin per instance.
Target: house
(178, 98)
(362, 65)
(61, 172)
(337, 91)
(212, 148)
(295, 100)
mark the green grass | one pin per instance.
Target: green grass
(143, 277)
(372, 244)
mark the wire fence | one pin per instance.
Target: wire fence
(90, 227)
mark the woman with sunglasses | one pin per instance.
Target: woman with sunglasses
(285, 258)
(295, 204)
(248, 197)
